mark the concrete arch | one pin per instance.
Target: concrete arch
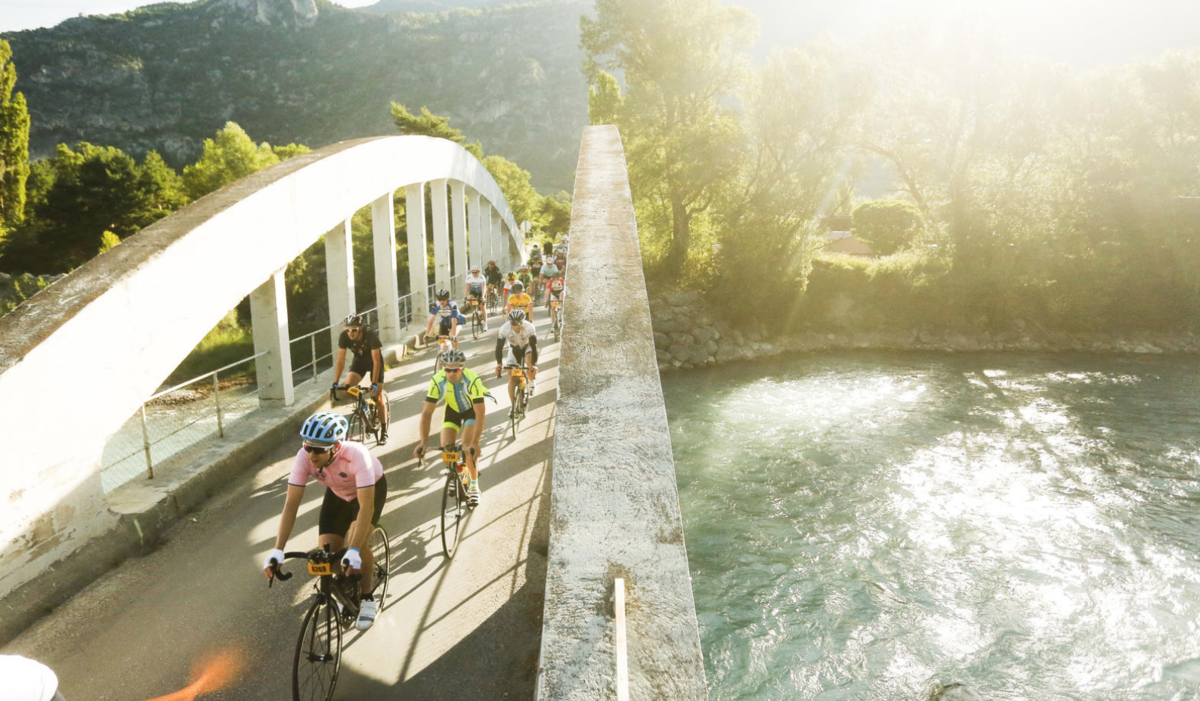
(77, 360)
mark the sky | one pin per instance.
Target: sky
(1082, 33)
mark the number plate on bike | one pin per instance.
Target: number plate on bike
(449, 458)
(516, 373)
(320, 568)
(353, 391)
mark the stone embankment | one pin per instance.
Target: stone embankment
(687, 335)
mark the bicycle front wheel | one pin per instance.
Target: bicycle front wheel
(452, 511)
(318, 653)
(358, 426)
(382, 551)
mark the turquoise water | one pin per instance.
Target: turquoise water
(866, 526)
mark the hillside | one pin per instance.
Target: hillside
(168, 76)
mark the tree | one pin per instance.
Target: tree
(682, 62)
(231, 156)
(887, 225)
(108, 240)
(14, 143)
(604, 99)
(429, 124)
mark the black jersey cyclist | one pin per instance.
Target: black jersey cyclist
(464, 394)
(363, 342)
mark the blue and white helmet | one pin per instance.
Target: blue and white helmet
(324, 427)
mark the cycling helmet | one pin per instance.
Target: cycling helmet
(516, 316)
(324, 428)
(443, 294)
(518, 287)
(454, 357)
(354, 320)
(474, 268)
(491, 263)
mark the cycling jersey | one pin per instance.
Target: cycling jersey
(549, 270)
(519, 336)
(520, 339)
(353, 467)
(460, 396)
(445, 314)
(525, 278)
(556, 286)
(520, 301)
(493, 275)
(476, 283)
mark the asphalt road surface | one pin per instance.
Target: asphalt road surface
(469, 628)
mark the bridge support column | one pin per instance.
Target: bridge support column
(339, 276)
(474, 224)
(458, 219)
(441, 235)
(383, 227)
(418, 260)
(494, 234)
(269, 318)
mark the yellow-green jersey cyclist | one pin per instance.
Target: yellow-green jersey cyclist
(464, 394)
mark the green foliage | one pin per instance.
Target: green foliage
(556, 215)
(429, 124)
(229, 157)
(887, 225)
(605, 102)
(19, 289)
(108, 240)
(14, 143)
(228, 342)
(79, 194)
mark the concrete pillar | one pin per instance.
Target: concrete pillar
(474, 224)
(383, 227)
(458, 221)
(441, 234)
(339, 277)
(269, 319)
(497, 232)
(418, 261)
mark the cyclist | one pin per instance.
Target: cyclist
(464, 393)
(560, 262)
(548, 249)
(473, 289)
(520, 300)
(524, 277)
(364, 343)
(508, 283)
(355, 491)
(548, 272)
(495, 278)
(555, 289)
(445, 312)
(522, 350)
(27, 680)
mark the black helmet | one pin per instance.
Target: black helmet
(443, 294)
(517, 316)
(354, 320)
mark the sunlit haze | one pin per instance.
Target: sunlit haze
(16, 15)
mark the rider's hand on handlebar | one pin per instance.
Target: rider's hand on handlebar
(497, 371)
(352, 561)
(274, 558)
(419, 452)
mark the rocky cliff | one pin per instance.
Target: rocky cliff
(168, 76)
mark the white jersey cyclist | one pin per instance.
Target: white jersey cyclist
(476, 282)
(519, 339)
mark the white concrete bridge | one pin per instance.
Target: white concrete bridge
(103, 339)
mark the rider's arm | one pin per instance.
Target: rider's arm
(480, 411)
(426, 421)
(499, 349)
(533, 348)
(286, 522)
(377, 375)
(366, 510)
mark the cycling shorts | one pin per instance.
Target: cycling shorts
(363, 365)
(456, 420)
(337, 514)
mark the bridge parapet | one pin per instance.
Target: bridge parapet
(614, 502)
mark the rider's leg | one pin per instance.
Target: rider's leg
(471, 447)
(383, 408)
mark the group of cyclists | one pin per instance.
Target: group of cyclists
(356, 488)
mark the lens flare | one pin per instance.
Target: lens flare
(211, 674)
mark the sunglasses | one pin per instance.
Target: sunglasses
(317, 449)
(354, 329)
(453, 369)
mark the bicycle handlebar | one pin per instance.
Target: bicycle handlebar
(312, 555)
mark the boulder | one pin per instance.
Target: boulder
(662, 356)
(670, 325)
(661, 340)
(728, 354)
(754, 336)
(704, 334)
(682, 299)
(711, 347)
(682, 339)
(738, 338)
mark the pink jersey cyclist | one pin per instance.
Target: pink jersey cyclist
(353, 468)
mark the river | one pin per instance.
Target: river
(866, 526)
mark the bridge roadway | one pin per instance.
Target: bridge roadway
(465, 629)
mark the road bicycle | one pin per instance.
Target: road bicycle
(334, 609)
(478, 320)
(364, 418)
(493, 300)
(444, 344)
(520, 397)
(555, 316)
(454, 496)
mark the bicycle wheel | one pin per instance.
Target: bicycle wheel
(476, 325)
(382, 551)
(452, 511)
(318, 653)
(358, 426)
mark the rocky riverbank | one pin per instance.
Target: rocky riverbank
(687, 335)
